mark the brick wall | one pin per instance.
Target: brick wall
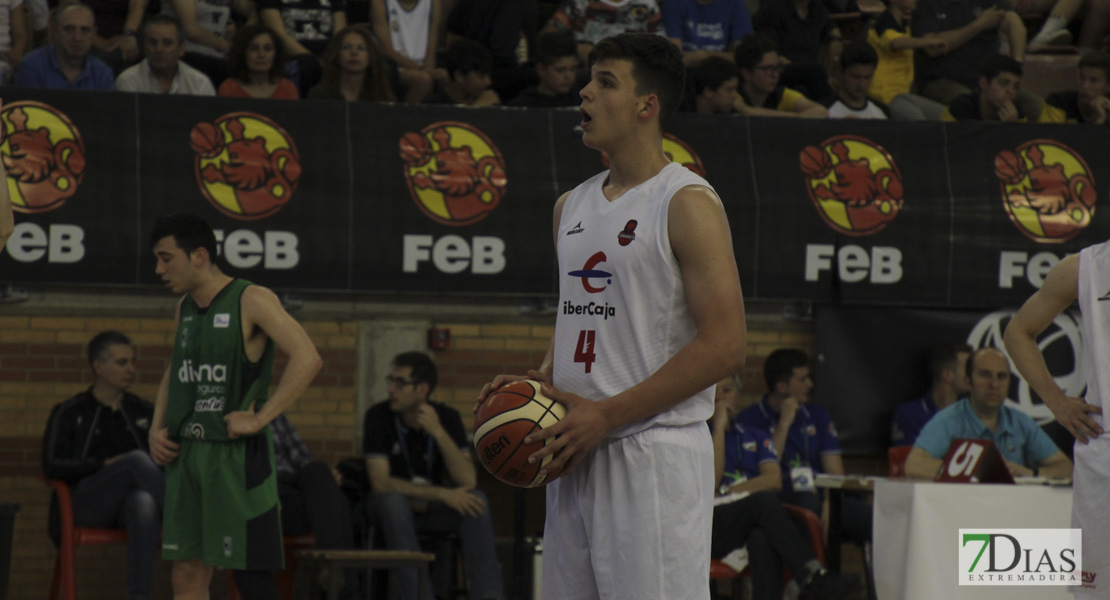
(42, 363)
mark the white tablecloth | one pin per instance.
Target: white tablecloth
(916, 535)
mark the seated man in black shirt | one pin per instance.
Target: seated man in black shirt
(999, 84)
(556, 61)
(422, 477)
(1091, 102)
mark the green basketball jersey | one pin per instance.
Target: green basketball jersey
(210, 374)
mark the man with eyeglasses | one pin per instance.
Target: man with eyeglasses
(423, 479)
(760, 93)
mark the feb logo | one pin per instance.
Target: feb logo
(454, 172)
(854, 184)
(246, 165)
(1047, 189)
(44, 155)
(677, 151)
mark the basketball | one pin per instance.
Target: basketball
(507, 416)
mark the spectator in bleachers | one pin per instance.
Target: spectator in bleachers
(14, 39)
(162, 71)
(747, 512)
(97, 443)
(508, 29)
(946, 385)
(1089, 104)
(857, 67)
(999, 83)
(801, 30)
(408, 33)
(67, 64)
(256, 64)
(1059, 14)
(468, 67)
(1028, 451)
(355, 70)
(761, 94)
(713, 84)
(704, 28)
(893, 41)
(117, 31)
(205, 25)
(970, 29)
(305, 28)
(591, 21)
(556, 63)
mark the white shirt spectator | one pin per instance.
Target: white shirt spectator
(187, 82)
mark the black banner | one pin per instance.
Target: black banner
(360, 197)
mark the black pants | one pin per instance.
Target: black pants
(855, 512)
(311, 501)
(761, 522)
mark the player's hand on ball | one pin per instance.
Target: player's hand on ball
(463, 501)
(576, 435)
(501, 380)
(162, 449)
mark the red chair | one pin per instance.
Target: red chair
(65, 569)
(719, 570)
(896, 457)
(287, 577)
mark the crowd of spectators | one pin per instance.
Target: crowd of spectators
(916, 60)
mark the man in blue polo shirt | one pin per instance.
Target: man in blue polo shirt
(805, 437)
(66, 64)
(983, 415)
(947, 384)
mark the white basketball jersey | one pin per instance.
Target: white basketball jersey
(1094, 302)
(408, 30)
(622, 304)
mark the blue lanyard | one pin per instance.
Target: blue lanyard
(429, 454)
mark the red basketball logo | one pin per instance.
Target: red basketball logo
(854, 184)
(1047, 189)
(44, 155)
(454, 172)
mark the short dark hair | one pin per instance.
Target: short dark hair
(944, 357)
(98, 346)
(188, 231)
(712, 73)
(553, 45)
(779, 366)
(656, 66)
(1097, 59)
(751, 50)
(165, 19)
(858, 53)
(998, 64)
(423, 368)
(467, 56)
(237, 55)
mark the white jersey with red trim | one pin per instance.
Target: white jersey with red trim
(622, 304)
(1091, 493)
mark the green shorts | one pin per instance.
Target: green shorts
(222, 505)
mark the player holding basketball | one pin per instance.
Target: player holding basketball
(211, 415)
(651, 317)
(1083, 277)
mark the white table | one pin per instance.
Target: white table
(916, 532)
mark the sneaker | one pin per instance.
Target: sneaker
(1060, 37)
(831, 586)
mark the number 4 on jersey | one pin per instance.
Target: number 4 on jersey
(584, 353)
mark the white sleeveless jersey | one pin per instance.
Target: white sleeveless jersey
(622, 304)
(1091, 493)
(408, 30)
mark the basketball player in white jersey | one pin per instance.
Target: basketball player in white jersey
(1084, 277)
(651, 316)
